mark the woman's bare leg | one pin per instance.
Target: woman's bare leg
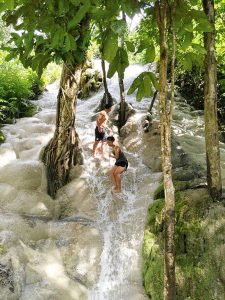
(119, 170)
(94, 147)
(112, 176)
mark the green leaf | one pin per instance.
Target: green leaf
(203, 25)
(123, 62)
(133, 86)
(130, 46)
(147, 86)
(197, 14)
(140, 93)
(58, 38)
(51, 6)
(10, 4)
(67, 43)
(119, 63)
(187, 62)
(43, 64)
(188, 27)
(130, 7)
(111, 6)
(150, 54)
(110, 45)
(153, 79)
(73, 45)
(198, 48)
(75, 2)
(79, 15)
(12, 55)
(39, 40)
(188, 36)
(143, 83)
(113, 67)
(61, 7)
(7, 4)
(144, 44)
(70, 43)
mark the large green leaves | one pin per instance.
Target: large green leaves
(80, 14)
(110, 45)
(144, 84)
(119, 63)
(150, 54)
(7, 4)
(58, 37)
(130, 7)
(49, 30)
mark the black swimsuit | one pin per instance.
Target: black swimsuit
(122, 161)
(99, 135)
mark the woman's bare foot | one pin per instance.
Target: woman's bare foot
(117, 191)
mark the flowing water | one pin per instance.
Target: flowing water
(120, 217)
(46, 246)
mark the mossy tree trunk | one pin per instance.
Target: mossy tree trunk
(165, 128)
(63, 151)
(122, 110)
(210, 107)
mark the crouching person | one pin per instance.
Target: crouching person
(120, 166)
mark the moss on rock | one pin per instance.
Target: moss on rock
(200, 250)
(2, 137)
(91, 81)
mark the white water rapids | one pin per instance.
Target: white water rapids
(87, 243)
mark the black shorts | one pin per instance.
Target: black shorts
(122, 164)
(99, 136)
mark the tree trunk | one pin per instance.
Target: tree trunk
(63, 151)
(210, 107)
(122, 111)
(107, 97)
(104, 77)
(165, 128)
(152, 102)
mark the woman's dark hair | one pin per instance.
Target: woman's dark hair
(111, 138)
(107, 106)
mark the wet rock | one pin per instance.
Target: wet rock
(148, 121)
(129, 111)
(82, 257)
(152, 148)
(32, 203)
(130, 127)
(106, 99)
(7, 239)
(7, 192)
(76, 199)
(45, 290)
(29, 174)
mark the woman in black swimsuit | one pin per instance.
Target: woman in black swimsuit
(121, 163)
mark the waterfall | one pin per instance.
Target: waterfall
(87, 243)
